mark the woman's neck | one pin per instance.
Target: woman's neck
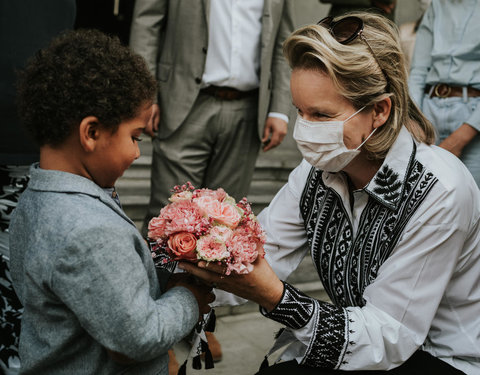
(361, 170)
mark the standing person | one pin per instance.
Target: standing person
(92, 300)
(223, 87)
(391, 222)
(408, 33)
(25, 26)
(339, 7)
(445, 76)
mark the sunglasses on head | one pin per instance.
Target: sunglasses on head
(346, 30)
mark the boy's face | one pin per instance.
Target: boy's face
(117, 151)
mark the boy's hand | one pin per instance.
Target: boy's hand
(119, 358)
(261, 285)
(202, 292)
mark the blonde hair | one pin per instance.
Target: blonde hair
(357, 75)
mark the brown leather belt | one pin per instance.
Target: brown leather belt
(442, 90)
(227, 93)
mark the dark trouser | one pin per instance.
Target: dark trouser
(420, 363)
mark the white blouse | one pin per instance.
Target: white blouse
(401, 263)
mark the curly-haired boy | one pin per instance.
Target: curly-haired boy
(93, 303)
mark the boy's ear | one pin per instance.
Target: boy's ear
(89, 131)
(381, 111)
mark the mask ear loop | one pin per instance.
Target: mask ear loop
(366, 139)
(360, 110)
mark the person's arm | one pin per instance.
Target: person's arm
(148, 20)
(282, 222)
(108, 289)
(422, 58)
(461, 137)
(400, 303)
(275, 127)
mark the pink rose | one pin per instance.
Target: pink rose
(223, 213)
(183, 245)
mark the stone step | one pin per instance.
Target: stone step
(136, 186)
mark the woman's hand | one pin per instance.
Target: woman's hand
(261, 285)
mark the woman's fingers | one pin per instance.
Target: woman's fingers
(212, 267)
(208, 276)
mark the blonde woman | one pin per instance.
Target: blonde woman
(390, 221)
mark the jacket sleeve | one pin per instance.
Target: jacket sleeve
(149, 17)
(114, 294)
(280, 101)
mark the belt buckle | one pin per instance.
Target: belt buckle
(442, 90)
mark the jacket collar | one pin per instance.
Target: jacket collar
(68, 183)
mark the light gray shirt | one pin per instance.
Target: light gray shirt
(87, 281)
(447, 49)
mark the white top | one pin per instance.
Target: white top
(233, 55)
(402, 266)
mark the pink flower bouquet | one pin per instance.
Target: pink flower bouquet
(205, 224)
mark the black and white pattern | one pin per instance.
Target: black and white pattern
(13, 181)
(347, 264)
(294, 310)
(332, 325)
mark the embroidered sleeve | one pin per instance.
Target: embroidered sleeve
(329, 326)
(294, 309)
(329, 340)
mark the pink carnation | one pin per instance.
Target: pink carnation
(211, 249)
(243, 248)
(181, 196)
(156, 228)
(221, 232)
(181, 216)
(218, 194)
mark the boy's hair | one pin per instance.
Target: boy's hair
(81, 73)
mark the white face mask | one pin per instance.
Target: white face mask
(321, 143)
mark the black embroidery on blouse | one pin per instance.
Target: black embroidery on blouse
(332, 326)
(294, 310)
(347, 265)
(389, 185)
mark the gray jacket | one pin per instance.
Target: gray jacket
(172, 36)
(87, 282)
